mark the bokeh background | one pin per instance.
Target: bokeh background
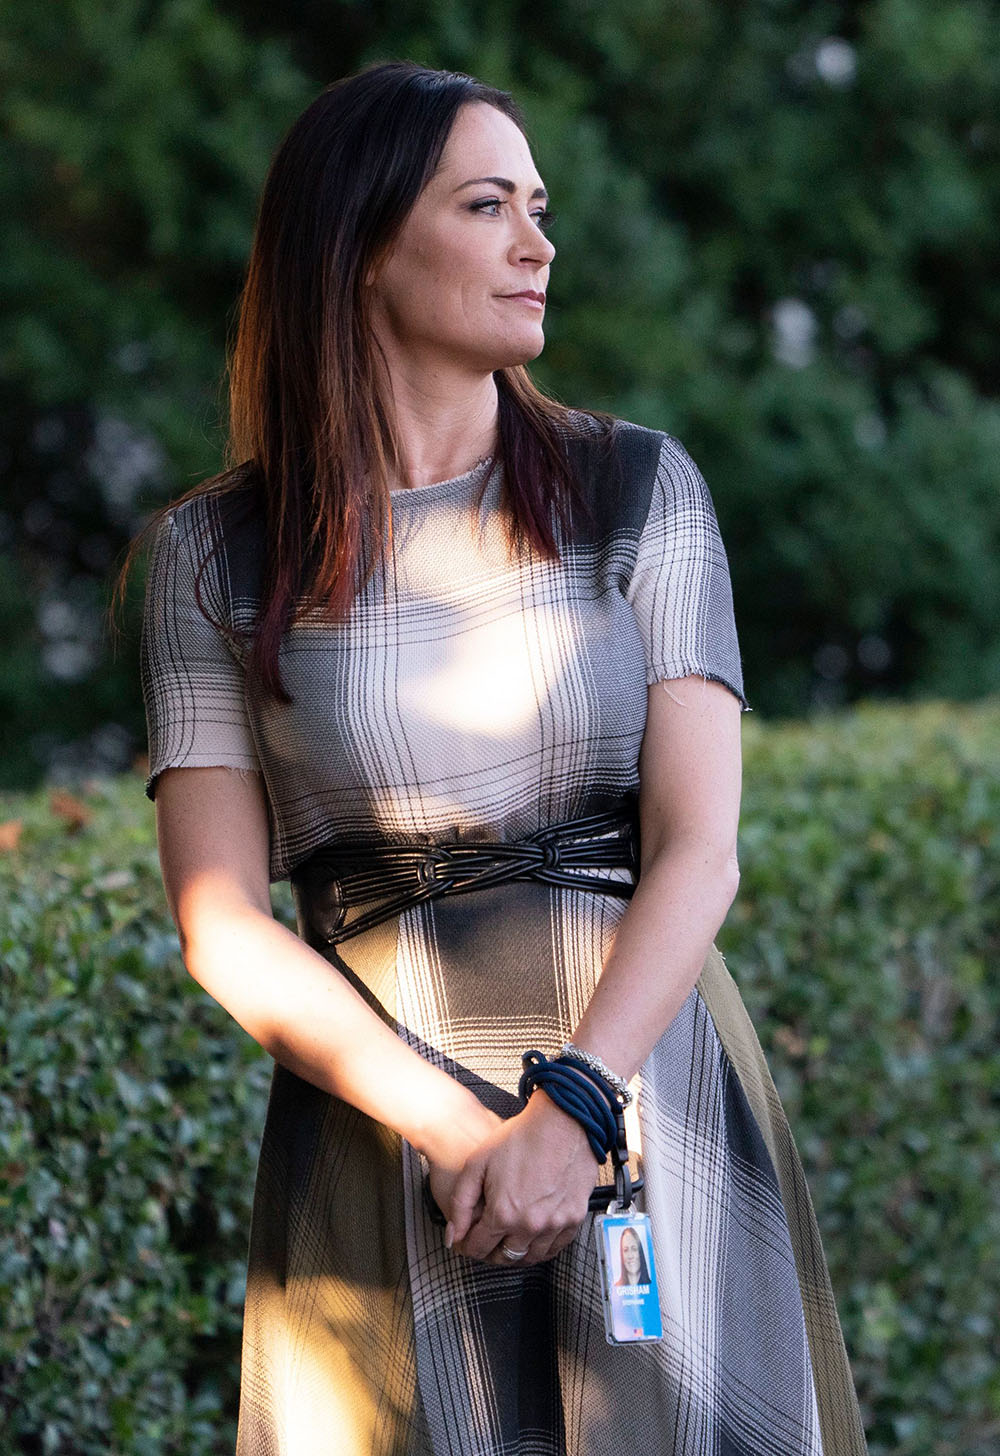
(776, 238)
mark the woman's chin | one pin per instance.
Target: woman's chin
(521, 350)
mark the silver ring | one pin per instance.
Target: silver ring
(512, 1254)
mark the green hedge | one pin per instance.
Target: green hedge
(865, 940)
(130, 1112)
(867, 922)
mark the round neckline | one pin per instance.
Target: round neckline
(478, 472)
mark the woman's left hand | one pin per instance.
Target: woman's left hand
(526, 1186)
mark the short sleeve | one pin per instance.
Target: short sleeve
(680, 590)
(192, 682)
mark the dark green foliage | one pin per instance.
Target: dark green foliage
(130, 1111)
(136, 142)
(776, 238)
(864, 940)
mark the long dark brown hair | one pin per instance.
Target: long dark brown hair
(309, 431)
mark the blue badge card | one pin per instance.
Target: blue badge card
(628, 1278)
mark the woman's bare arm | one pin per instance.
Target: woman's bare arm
(690, 784)
(531, 1176)
(213, 839)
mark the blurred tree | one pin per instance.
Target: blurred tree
(136, 140)
(775, 240)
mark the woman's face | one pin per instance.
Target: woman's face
(631, 1257)
(445, 294)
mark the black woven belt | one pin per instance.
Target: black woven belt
(349, 873)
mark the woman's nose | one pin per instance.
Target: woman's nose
(532, 243)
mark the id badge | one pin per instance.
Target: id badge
(628, 1278)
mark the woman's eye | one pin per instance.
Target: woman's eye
(544, 218)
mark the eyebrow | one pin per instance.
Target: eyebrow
(505, 183)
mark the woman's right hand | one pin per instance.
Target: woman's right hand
(442, 1182)
(448, 1160)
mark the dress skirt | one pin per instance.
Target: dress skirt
(364, 1334)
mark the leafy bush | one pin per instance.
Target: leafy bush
(865, 938)
(130, 1104)
(130, 1111)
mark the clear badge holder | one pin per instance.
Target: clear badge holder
(629, 1292)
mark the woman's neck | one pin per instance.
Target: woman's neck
(443, 434)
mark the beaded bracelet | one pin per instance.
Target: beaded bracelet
(576, 1054)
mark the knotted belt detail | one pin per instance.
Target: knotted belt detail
(350, 873)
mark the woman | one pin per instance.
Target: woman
(631, 1260)
(441, 625)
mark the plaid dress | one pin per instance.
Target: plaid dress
(476, 695)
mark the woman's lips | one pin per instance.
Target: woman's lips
(534, 299)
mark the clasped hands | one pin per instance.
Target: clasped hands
(525, 1186)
